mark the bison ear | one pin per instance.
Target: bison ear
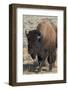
(39, 38)
(26, 32)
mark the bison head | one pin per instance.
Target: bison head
(33, 38)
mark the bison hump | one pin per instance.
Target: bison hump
(48, 33)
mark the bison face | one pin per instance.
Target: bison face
(33, 38)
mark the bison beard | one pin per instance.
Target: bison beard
(42, 43)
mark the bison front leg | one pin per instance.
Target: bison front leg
(40, 62)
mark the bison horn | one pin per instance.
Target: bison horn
(26, 32)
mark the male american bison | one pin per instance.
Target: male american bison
(42, 43)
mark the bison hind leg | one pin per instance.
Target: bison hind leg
(50, 64)
(51, 60)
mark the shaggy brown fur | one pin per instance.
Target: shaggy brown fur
(49, 33)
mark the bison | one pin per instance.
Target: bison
(42, 43)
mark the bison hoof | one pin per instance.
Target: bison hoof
(37, 70)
